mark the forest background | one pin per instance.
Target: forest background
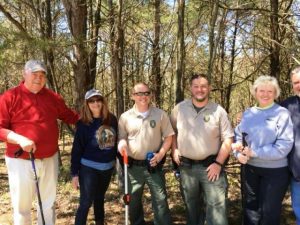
(112, 44)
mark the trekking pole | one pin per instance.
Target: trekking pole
(37, 187)
(244, 143)
(18, 153)
(126, 197)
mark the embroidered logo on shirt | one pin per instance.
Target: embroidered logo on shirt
(106, 137)
(152, 123)
(206, 118)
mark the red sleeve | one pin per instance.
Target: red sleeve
(65, 113)
(5, 101)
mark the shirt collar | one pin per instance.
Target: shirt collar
(138, 114)
(266, 107)
(206, 107)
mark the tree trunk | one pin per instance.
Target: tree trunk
(274, 45)
(211, 38)
(120, 58)
(222, 67)
(117, 53)
(76, 11)
(95, 22)
(233, 51)
(48, 52)
(155, 73)
(180, 68)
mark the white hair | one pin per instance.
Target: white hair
(296, 70)
(265, 80)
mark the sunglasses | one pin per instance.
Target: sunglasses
(146, 93)
(94, 100)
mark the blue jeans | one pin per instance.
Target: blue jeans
(93, 185)
(295, 194)
(264, 191)
(194, 183)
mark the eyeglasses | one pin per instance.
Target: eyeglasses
(94, 100)
(146, 93)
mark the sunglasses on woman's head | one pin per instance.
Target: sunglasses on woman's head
(146, 93)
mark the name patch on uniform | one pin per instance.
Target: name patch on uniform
(152, 123)
(206, 118)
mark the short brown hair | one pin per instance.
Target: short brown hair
(197, 76)
(140, 83)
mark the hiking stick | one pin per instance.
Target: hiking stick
(126, 197)
(244, 143)
(37, 187)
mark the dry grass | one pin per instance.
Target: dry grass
(67, 198)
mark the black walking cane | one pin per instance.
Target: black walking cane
(37, 186)
(244, 143)
(17, 154)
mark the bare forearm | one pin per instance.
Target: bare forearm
(174, 143)
(175, 152)
(166, 145)
(224, 150)
(162, 151)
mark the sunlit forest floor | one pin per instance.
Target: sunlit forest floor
(67, 198)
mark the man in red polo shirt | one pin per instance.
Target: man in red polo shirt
(28, 121)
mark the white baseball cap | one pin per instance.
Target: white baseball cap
(91, 93)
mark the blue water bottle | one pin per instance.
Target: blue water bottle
(148, 158)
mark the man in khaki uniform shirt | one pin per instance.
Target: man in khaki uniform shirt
(200, 148)
(144, 129)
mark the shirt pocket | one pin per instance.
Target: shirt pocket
(211, 125)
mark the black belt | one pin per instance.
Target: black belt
(205, 162)
(132, 161)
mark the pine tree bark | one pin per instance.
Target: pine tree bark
(180, 60)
